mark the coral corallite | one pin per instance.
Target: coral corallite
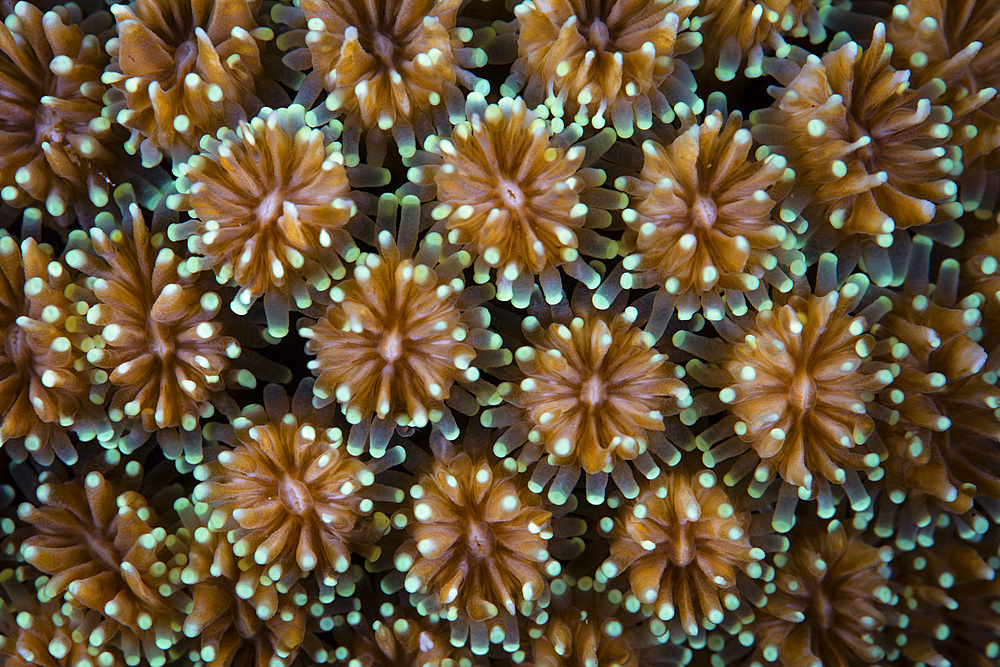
(44, 376)
(958, 42)
(400, 337)
(269, 202)
(594, 397)
(512, 195)
(595, 62)
(289, 495)
(798, 381)
(944, 447)
(100, 542)
(827, 601)
(870, 153)
(52, 132)
(160, 343)
(683, 546)
(736, 29)
(182, 69)
(476, 547)
(390, 65)
(704, 219)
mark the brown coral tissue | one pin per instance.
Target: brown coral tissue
(497, 333)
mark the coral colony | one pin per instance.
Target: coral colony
(455, 333)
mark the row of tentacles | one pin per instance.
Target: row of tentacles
(604, 373)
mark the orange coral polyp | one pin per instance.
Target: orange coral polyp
(394, 341)
(181, 69)
(585, 60)
(160, 343)
(270, 201)
(477, 542)
(829, 600)
(704, 221)
(799, 389)
(871, 154)
(293, 499)
(53, 135)
(683, 547)
(594, 390)
(511, 194)
(391, 65)
(44, 376)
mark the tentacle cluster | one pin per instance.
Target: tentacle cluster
(269, 203)
(871, 153)
(595, 397)
(477, 548)
(595, 62)
(519, 197)
(798, 383)
(704, 221)
(827, 601)
(57, 147)
(45, 378)
(101, 543)
(287, 493)
(943, 449)
(685, 549)
(160, 346)
(182, 69)
(404, 334)
(957, 43)
(393, 66)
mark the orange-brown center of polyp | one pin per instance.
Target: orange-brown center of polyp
(391, 347)
(270, 207)
(184, 61)
(802, 392)
(511, 195)
(704, 212)
(294, 495)
(480, 539)
(159, 340)
(592, 391)
(384, 48)
(821, 610)
(683, 548)
(598, 35)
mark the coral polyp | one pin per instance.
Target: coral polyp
(798, 383)
(391, 65)
(270, 201)
(46, 380)
(605, 63)
(58, 149)
(403, 335)
(871, 153)
(476, 548)
(180, 70)
(99, 540)
(593, 398)
(705, 222)
(160, 346)
(944, 446)
(683, 546)
(287, 493)
(828, 600)
(741, 29)
(518, 198)
(956, 43)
